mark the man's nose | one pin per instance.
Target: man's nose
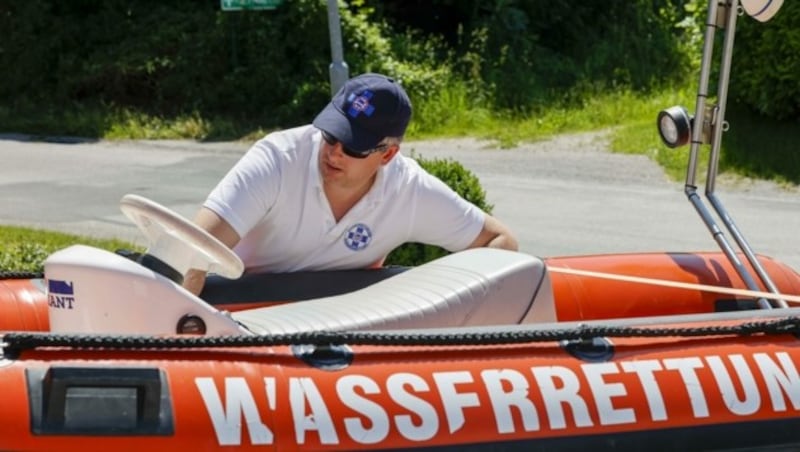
(336, 150)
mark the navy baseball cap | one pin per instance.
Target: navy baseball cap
(367, 109)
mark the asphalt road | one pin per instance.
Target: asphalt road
(567, 196)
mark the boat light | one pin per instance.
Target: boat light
(675, 126)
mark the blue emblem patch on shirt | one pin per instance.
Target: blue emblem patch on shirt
(358, 237)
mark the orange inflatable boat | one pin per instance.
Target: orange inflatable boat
(479, 350)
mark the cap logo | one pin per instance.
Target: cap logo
(359, 103)
(358, 237)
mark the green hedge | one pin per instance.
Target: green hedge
(167, 57)
(765, 72)
(182, 56)
(766, 63)
(270, 68)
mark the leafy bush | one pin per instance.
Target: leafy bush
(186, 58)
(463, 182)
(519, 54)
(189, 59)
(765, 72)
(185, 69)
(766, 64)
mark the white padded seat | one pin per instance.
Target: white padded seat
(480, 286)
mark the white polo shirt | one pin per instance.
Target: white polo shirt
(273, 198)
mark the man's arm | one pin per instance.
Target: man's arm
(495, 235)
(207, 219)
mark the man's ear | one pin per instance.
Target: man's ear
(389, 153)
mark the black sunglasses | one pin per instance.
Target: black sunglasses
(331, 140)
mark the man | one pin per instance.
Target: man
(335, 194)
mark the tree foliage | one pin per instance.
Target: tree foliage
(177, 57)
(527, 50)
(767, 62)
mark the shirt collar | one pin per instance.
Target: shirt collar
(314, 176)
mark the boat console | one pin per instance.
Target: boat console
(90, 290)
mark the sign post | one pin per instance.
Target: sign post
(338, 70)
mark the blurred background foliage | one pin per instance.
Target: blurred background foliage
(185, 68)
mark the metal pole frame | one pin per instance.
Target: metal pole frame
(721, 14)
(338, 70)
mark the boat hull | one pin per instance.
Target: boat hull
(23, 302)
(675, 393)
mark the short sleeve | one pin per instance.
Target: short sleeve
(443, 218)
(249, 190)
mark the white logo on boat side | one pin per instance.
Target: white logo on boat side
(544, 398)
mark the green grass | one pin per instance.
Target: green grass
(753, 147)
(113, 123)
(24, 250)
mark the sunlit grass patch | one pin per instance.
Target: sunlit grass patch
(24, 250)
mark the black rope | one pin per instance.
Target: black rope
(14, 343)
(20, 275)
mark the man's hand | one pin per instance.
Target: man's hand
(194, 280)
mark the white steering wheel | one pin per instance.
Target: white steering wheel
(179, 242)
